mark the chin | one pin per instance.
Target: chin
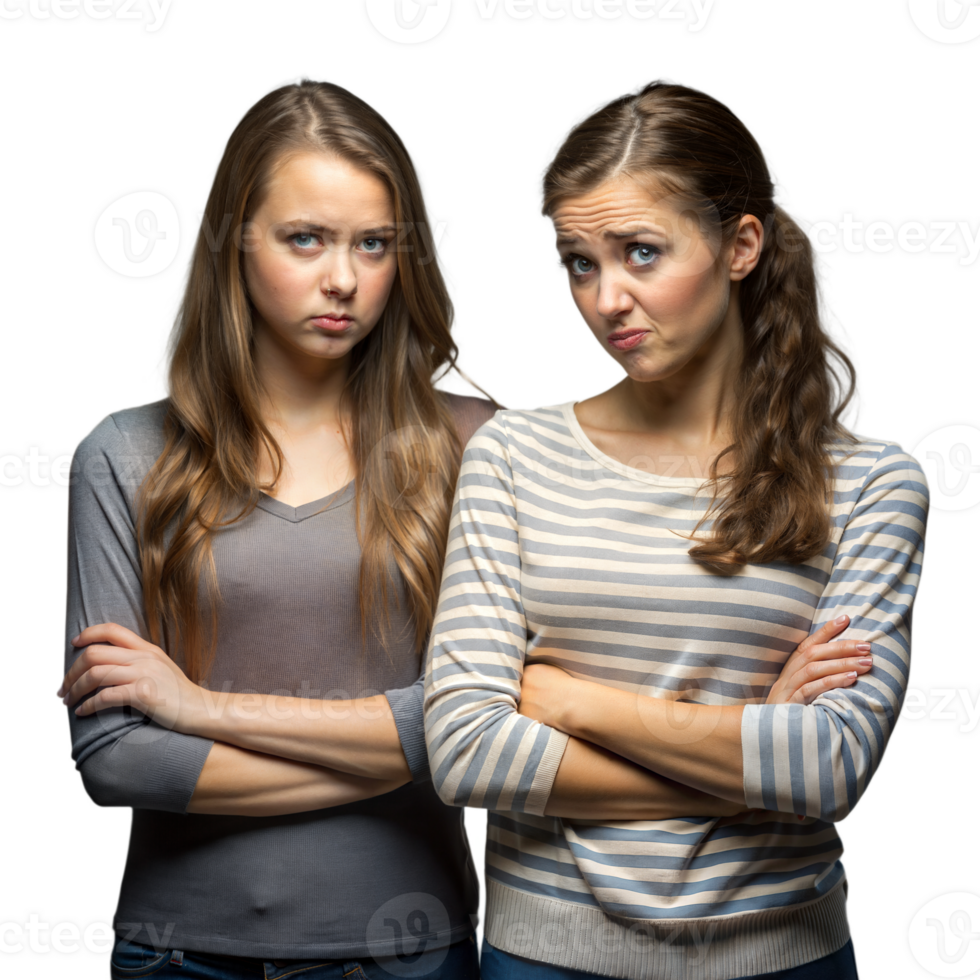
(645, 369)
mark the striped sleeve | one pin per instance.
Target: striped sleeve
(482, 753)
(817, 759)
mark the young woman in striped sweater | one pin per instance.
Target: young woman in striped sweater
(628, 575)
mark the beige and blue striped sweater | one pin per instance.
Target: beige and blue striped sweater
(554, 544)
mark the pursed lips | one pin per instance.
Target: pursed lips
(626, 339)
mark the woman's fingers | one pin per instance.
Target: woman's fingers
(96, 655)
(111, 633)
(139, 674)
(825, 633)
(108, 697)
(820, 664)
(837, 649)
(102, 675)
(822, 675)
(803, 653)
(812, 690)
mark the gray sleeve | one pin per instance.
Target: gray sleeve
(124, 759)
(406, 707)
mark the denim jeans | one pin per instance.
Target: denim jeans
(131, 961)
(497, 965)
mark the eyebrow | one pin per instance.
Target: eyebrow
(617, 235)
(313, 226)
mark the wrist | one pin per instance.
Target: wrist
(202, 713)
(573, 709)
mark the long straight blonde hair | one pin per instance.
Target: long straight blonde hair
(402, 437)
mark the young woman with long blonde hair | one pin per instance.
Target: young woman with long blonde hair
(278, 526)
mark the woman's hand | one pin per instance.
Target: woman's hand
(131, 670)
(594, 782)
(817, 666)
(544, 690)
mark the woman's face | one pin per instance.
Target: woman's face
(319, 257)
(654, 290)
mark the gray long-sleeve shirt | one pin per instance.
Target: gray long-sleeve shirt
(363, 879)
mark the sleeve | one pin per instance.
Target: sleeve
(406, 709)
(124, 758)
(818, 759)
(482, 753)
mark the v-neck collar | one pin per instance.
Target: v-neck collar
(296, 514)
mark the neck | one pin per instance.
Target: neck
(695, 404)
(694, 408)
(297, 391)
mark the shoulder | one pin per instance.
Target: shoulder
(469, 413)
(878, 475)
(538, 427)
(532, 435)
(870, 460)
(541, 421)
(124, 444)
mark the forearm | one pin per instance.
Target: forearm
(695, 744)
(238, 782)
(358, 736)
(593, 783)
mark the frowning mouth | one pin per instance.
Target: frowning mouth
(333, 322)
(626, 339)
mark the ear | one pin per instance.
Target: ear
(746, 248)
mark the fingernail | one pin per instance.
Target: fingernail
(863, 647)
(74, 640)
(865, 661)
(64, 700)
(840, 620)
(851, 674)
(60, 693)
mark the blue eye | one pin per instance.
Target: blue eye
(640, 254)
(373, 245)
(304, 240)
(578, 265)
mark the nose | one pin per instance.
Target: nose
(613, 299)
(339, 278)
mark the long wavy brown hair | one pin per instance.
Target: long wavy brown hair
(794, 382)
(402, 437)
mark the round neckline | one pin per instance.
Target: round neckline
(630, 472)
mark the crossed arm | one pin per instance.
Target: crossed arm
(275, 754)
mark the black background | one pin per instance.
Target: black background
(864, 114)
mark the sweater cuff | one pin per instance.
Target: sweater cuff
(149, 768)
(406, 708)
